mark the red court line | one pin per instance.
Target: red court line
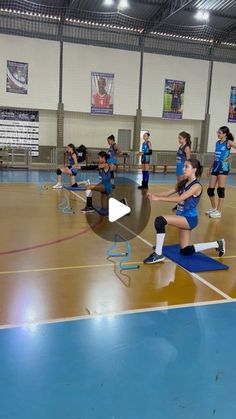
(38, 246)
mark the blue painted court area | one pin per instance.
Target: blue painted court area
(48, 176)
(170, 364)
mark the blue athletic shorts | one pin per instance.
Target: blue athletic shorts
(219, 172)
(112, 161)
(192, 221)
(179, 169)
(73, 170)
(145, 159)
(108, 188)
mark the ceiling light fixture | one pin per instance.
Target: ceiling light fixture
(108, 2)
(123, 4)
(202, 15)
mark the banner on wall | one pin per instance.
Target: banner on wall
(102, 93)
(232, 105)
(17, 77)
(173, 99)
(19, 129)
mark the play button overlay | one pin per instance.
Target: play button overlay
(125, 221)
(117, 210)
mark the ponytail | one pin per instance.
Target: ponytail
(227, 132)
(187, 138)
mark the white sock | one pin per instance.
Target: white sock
(88, 193)
(160, 237)
(203, 246)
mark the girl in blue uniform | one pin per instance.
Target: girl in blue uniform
(219, 171)
(183, 154)
(186, 219)
(104, 186)
(145, 159)
(113, 151)
(71, 169)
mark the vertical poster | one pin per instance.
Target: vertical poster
(232, 105)
(19, 129)
(17, 77)
(102, 93)
(173, 99)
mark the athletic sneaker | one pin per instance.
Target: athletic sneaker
(208, 212)
(215, 214)
(57, 186)
(221, 248)
(87, 210)
(154, 258)
(84, 182)
(75, 185)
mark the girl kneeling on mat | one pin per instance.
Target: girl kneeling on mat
(71, 169)
(186, 218)
(104, 186)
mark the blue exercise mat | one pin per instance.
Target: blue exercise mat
(195, 263)
(79, 188)
(101, 211)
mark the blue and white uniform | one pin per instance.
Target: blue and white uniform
(145, 149)
(222, 152)
(70, 164)
(112, 151)
(180, 160)
(188, 208)
(105, 177)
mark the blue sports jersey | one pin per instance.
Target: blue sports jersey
(105, 177)
(70, 161)
(145, 149)
(188, 208)
(221, 153)
(181, 154)
(113, 154)
(112, 151)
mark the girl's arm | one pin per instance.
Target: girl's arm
(75, 160)
(118, 150)
(150, 145)
(194, 190)
(188, 152)
(211, 166)
(161, 194)
(231, 144)
(103, 166)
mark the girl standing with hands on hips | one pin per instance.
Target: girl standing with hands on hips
(219, 171)
(183, 154)
(145, 159)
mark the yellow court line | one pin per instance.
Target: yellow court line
(64, 268)
(102, 265)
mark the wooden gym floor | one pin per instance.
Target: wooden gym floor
(53, 266)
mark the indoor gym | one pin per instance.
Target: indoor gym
(83, 334)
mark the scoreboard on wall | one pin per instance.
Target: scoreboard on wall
(19, 129)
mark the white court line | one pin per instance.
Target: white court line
(211, 286)
(200, 279)
(95, 315)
